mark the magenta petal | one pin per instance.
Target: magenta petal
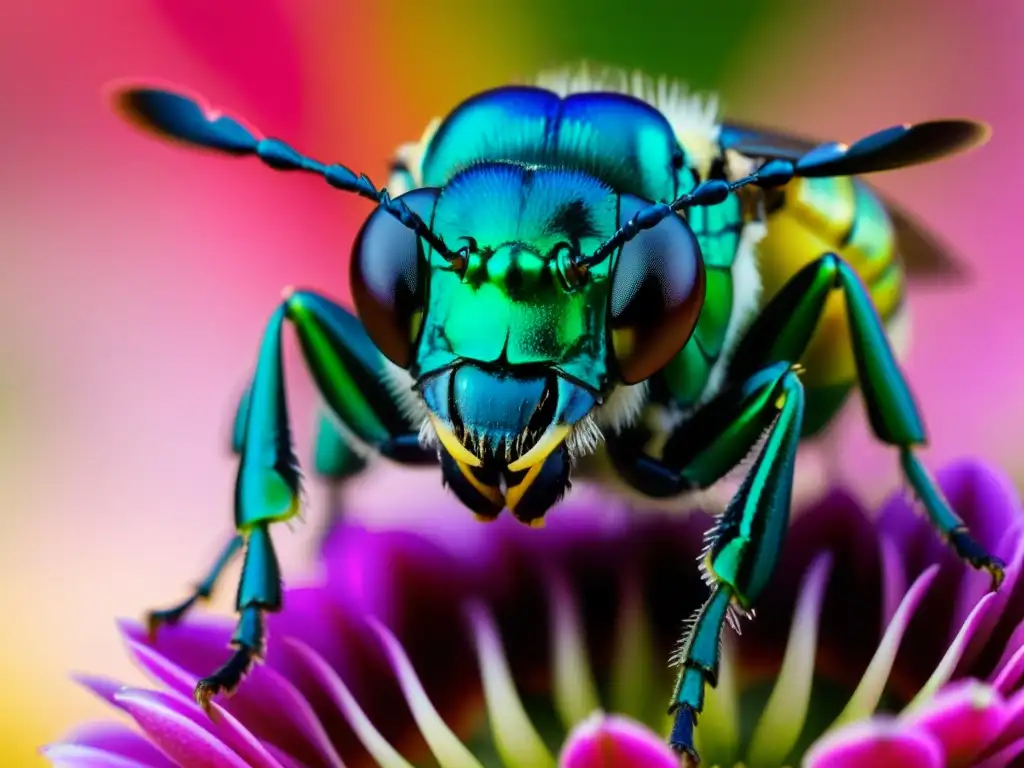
(222, 726)
(106, 745)
(1010, 671)
(978, 584)
(987, 504)
(1013, 728)
(104, 687)
(964, 718)
(1004, 757)
(985, 498)
(982, 496)
(894, 578)
(198, 647)
(78, 756)
(876, 743)
(266, 702)
(176, 734)
(604, 741)
(371, 568)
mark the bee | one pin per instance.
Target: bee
(595, 277)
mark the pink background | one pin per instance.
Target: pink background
(136, 277)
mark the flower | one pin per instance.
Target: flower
(498, 645)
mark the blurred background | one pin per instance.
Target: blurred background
(136, 278)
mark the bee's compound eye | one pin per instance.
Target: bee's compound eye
(657, 294)
(386, 276)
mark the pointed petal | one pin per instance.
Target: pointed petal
(849, 629)
(575, 692)
(1015, 640)
(984, 639)
(160, 669)
(408, 582)
(944, 671)
(1009, 673)
(865, 698)
(94, 743)
(177, 735)
(615, 742)
(196, 646)
(633, 660)
(104, 687)
(446, 746)
(354, 655)
(894, 578)
(222, 725)
(269, 705)
(79, 756)
(783, 717)
(986, 501)
(379, 748)
(515, 737)
(875, 743)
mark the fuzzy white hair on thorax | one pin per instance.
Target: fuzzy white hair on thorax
(583, 439)
(410, 157)
(694, 117)
(622, 407)
(401, 386)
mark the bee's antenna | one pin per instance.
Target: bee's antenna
(183, 119)
(896, 147)
(774, 173)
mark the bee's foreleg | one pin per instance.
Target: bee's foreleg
(348, 370)
(202, 591)
(781, 332)
(259, 592)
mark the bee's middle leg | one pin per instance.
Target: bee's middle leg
(744, 545)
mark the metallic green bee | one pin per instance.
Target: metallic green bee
(599, 277)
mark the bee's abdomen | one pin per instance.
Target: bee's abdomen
(842, 216)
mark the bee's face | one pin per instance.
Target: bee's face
(511, 346)
(512, 350)
(513, 301)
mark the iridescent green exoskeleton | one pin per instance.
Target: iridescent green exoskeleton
(595, 280)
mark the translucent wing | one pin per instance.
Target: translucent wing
(924, 254)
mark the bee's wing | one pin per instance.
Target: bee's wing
(925, 256)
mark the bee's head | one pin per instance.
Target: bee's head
(513, 342)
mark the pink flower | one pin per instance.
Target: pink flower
(507, 646)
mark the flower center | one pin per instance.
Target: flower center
(763, 721)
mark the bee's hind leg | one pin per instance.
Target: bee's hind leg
(782, 331)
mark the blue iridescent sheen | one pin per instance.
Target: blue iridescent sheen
(619, 139)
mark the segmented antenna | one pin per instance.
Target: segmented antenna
(774, 173)
(181, 118)
(282, 157)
